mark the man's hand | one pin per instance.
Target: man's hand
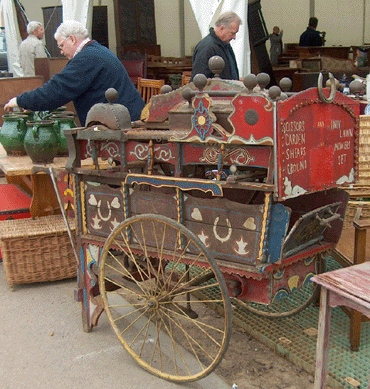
(12, 103)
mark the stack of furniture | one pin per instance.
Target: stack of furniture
(306, 63)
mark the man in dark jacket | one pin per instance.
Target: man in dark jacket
(311, 37)
(91, 70)
(217, 42)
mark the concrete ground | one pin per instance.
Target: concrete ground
(43, 345)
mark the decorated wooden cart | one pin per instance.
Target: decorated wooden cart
(224, 193)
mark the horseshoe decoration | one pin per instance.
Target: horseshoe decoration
(333, 89)
(109, 213)
(227, 237)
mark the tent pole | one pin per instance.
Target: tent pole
(312, 8)
(182, 27)
(363, 22)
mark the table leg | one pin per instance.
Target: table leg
(44, 200)
(355, 329)
(356, 317)
(322, 348)
(24, 182)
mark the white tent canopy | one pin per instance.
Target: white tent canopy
(207, 11)
(80, 10)
(8, 17)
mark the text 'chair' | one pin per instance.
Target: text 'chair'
(149, 88)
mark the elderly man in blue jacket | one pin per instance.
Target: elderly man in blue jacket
(91, 70)
(217, 42)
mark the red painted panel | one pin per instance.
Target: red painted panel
(238, 155)
(139, 151)
(260, 108)
(321, 167)
(316, 143)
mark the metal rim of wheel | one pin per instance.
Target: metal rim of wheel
(289, 305)
(159, 286)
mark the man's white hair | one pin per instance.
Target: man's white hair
(226, 18)
(71, 27)
(32, 26)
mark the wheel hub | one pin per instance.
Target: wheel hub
(153, 303)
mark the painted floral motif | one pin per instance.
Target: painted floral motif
(202, 121)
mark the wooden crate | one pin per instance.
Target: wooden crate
(352, 207)
(37, 250)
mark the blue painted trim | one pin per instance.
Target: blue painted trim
(277, 231)
(83, 270)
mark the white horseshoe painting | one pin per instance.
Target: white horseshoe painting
(229, 231)
(104, 209)
(227, 237)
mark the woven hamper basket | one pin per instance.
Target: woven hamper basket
(37, 250)
(364, 151)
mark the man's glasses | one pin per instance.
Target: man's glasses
(61, 45)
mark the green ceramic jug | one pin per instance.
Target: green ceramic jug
(30, 114)
(12, 133)
(41, 141)
(59, 109)
(61, 123)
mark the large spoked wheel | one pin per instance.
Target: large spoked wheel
(160, 287)
(288, 305)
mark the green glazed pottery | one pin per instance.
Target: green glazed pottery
(41, 141)
(12, 133)
(62, 123)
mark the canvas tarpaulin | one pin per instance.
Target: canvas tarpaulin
(8, 18)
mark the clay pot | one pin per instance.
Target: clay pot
(41, 141)
(62, 123)
(29, 114)
(59, 109)
(63, 114)
(12, 133)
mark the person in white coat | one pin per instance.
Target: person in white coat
(31, 48)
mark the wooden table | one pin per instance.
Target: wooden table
(283, 71)
(329, 51)
(18, 171)
(349, 287)
(160, 71)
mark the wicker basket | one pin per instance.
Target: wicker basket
(351, 212)
(361, 189)
(364, 151)
(37, 250)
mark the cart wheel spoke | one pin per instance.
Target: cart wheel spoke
(166, 288)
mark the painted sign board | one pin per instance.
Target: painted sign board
(316, 143)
